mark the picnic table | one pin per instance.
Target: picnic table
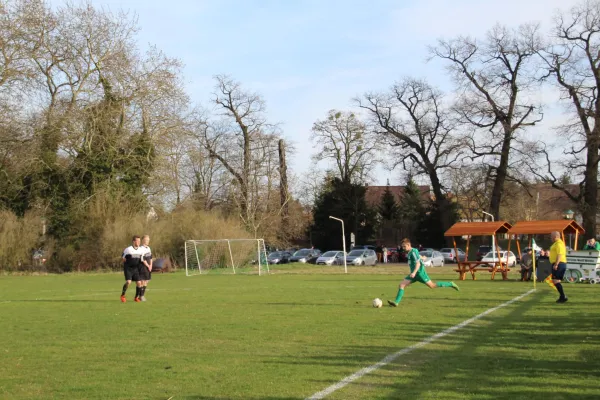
(489, 266)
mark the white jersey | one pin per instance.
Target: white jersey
(148, 253)
(134, 252)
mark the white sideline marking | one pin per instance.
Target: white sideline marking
(391, 357)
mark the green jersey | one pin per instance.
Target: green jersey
(595, 247)
(413, 258)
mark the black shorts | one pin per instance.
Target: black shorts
(144, 273)
(559, 273)
(132, 273)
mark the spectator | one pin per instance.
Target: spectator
(385, 254)
(379, 252)
(591, 244)
(527, 266)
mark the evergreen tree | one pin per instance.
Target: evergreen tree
(346, 201)
(388, 208)
(430, 231)
(411, 209)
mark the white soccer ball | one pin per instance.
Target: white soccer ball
(377, 303)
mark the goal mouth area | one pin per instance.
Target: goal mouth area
(225, 256)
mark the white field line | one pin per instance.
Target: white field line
(391, 357)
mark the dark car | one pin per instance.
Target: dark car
(306, 255)
(483, 250)
(279, 257)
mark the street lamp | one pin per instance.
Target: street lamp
(568, 214)
(493, 240)
(343, 242)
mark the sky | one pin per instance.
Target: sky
(306, 57)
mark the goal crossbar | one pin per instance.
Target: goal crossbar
(224, 255)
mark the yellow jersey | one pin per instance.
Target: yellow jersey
(558, 252)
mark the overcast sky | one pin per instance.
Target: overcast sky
(307, 57)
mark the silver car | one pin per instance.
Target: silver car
(361, 257)
(333, 257)
(450, 255)
(432, 258)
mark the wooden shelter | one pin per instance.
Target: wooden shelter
(563, 226)
(480, 229)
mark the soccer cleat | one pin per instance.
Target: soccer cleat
(392, 303)
(137, 300)
(123, 299)
(455, 286)
(562, 300)
(143, 298)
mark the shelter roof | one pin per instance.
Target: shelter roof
(546, 227)
(478, 228)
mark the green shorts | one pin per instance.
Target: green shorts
(419, 277)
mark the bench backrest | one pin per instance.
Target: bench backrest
(583, 259)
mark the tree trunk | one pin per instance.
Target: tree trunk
(590, 195)
(283, 184)
(442, 202)
(501, 172)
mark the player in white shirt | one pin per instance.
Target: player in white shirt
(132, 258)
(145, 266)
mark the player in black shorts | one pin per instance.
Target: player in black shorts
(132, 257)
(145, 266)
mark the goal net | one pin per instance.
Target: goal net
(225, 256)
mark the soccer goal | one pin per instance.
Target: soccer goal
(226, 256)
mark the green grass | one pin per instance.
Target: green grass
(291, 334)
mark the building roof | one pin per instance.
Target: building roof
(374, 193)
(546, 227)
(478, 228)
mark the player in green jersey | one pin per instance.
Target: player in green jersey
(417, 274)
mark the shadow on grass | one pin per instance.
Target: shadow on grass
(517, 356)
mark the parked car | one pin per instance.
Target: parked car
(332, 257)
(39, 257)
(483, 250)
(362, 257)
(451, 255)
(493, 257)
(363, 246)
(305, 255)
(279, 257)
(432, 258)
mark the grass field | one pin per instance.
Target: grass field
(292, 334)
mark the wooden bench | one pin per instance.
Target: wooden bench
(475, 266)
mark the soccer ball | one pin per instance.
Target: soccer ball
(377, 303)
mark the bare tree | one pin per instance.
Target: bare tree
(413, 119)
(246, 145)
(343, 139)
(495, 79)
(573, 62)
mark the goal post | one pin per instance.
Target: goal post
(225, 256)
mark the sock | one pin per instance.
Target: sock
(444, 284)
(548, 280)
(560, 290)
(399, 295)
(143, 291)
(137, 291)
(125, 286)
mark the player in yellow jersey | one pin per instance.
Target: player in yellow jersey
(558, 259)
